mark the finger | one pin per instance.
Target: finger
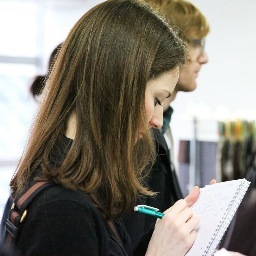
(192, 238)
(192, 197)
(235, 253)
(179, 206)
(184, 215)
(213, 181)
(192, 223)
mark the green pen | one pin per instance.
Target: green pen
(149, 211)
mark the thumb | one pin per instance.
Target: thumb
(192, 197)
(213, 181)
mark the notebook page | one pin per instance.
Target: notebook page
(231, 212)
(216, 207)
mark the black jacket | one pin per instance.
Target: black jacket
(162, 179)
(7, 207)
(64, 222)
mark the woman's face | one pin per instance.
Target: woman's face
(157, 91)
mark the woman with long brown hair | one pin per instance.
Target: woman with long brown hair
(91, 137)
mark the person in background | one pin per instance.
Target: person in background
(193, 27)
(91, 137)
(39, 81)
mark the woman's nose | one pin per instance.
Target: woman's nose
(156, 120)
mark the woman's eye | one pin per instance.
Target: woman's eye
(158, 102)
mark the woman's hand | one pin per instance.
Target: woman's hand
(224, 252)
(192, 197)
(213, 181)
(175, 233)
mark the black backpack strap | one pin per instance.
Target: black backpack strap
(18, 211)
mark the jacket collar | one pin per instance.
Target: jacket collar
(167, 118)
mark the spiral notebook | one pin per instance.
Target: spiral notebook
(216, 206)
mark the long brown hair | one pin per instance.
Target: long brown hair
(101, 75)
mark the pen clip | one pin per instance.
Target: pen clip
(145, 206)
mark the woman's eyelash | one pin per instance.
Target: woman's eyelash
(158, 102)
(168, 96)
